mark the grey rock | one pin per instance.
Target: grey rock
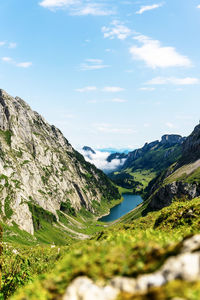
(164, 196)
(192, 244)
(172, 139)
(83, 288)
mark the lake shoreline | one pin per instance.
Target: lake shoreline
(129, 203)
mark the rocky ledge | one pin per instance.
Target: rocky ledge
(163, 197)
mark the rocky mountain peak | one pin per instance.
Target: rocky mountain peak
(171, 139)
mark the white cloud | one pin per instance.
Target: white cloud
(87, 89)
(108, 89)
(118, 100)
(92, 9)
(117, 30)
(6, 59)
(147, 89)
(77, 7)
(157, 56)
(57, 3)
(99, 159)
(93, 64)
(198, 6)
(148, 7)
(12, 45)
(9, 45)
(24, 64)
(94, 60)
(112, 89)
(173, 80)
(14, 63)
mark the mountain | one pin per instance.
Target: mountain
(117, 155)
(180, 180)
(42, 178)
(144, 164)
(88, 149)
(143, 255)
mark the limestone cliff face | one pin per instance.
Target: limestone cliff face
(38, 166)
(191, 147)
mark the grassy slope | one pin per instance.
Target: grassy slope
(68, 228)
(38, 254)
(147, 167)
(125, 250)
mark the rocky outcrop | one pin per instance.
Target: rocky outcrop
(191, 147)
(185, 266)
(89, 149)
(163, 196)
(39, 166)
(172, 139)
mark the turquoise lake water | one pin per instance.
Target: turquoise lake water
(129, 203)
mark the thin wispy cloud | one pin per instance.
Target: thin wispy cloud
(150, 89)
(108, 128)
(87, 89)
(57, 3)
(118, 100)
(93, 64)
(113, 89)
(92, 9)
(6, 59)
(24, 64)
(8, 45)
(174, 80)
(12, 45)
(78, 7)
(116, 30)
(157, 56)
(148, 8)
(108, 89)
(17, 64)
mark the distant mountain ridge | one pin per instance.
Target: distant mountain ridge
(167, 141)
(144, 164)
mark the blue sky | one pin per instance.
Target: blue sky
(107, 73)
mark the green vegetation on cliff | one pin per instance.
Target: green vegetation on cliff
(144, 164)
